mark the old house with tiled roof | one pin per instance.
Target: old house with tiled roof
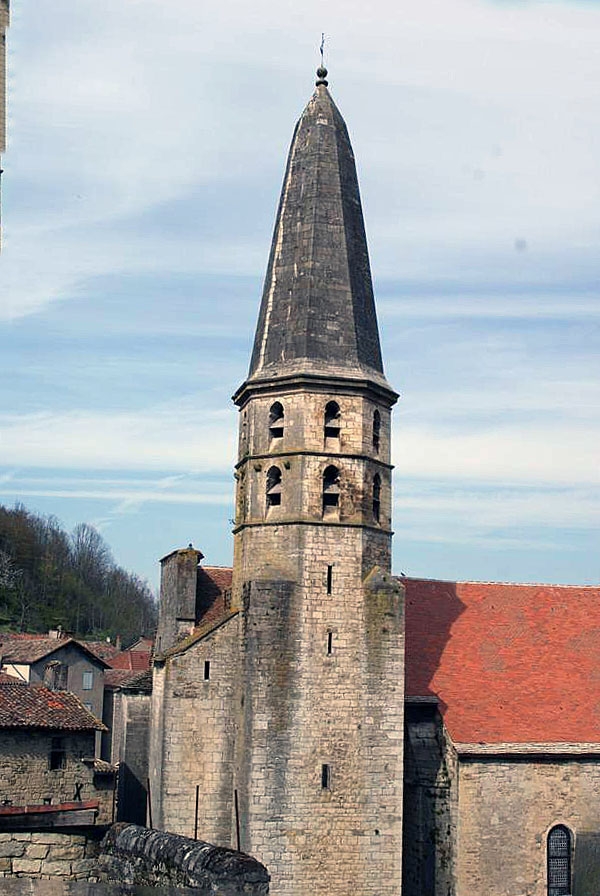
(60, 662)
(355, 731)
(50, 777)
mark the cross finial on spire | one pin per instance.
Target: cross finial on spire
(322, 71)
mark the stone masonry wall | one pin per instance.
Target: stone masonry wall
(131, 723)
(506, 811)
(44, 855)
(134, 855)
(27, 778)
(196, 744)
(303, 454)
(311, 701)
(430, 804)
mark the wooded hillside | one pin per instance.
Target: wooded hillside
(50, 578)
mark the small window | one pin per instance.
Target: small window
(332, 421)
(273, 487)
(276, 421)
(329, 579)
(89, 707)
(325, 777)
(88, 681)
(329, 643)
(206, 670)
(55, 676)
(376, 431)
(58, 756)
(331, 492)
(559, 861)
(376, 497)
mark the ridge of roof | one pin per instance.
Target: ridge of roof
(27, 651)
(198, 633)
(402, 578)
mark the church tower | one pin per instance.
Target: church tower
(318, 768)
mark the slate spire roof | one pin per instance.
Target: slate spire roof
(318, 311)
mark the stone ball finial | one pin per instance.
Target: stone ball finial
(321, 75)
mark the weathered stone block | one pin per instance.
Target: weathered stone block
(26, 866)
(11, 848)
(66, 851)
(56, 869)
(36, 850)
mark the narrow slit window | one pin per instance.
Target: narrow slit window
(559, 861)
(206, 670)
(273, 487)
(376, 497)
(325, 777)
(332, 421)
(276, 421)
(329, 579)
(331, 492)
(329, 643)
(376, 431)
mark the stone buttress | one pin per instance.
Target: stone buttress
(318, 764)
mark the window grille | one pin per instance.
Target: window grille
(559, 861)
(88, 681)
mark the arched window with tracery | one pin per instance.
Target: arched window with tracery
(273, 488)
(331, 423)
(276, 421)
(376, 431)
(376, 497)
(559, 861)
(331, 492)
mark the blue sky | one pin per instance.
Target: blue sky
(146, 147)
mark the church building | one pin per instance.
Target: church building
(357, 732)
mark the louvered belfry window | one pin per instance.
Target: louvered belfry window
(559, 861)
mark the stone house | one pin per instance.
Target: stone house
(50, 777)
(59, 662)
(356, 731)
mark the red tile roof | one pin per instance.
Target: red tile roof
(30, 650)
(103, 649)
(134, 660)
(116, 678)
(26, 706)
(220, 575)
(508, 663)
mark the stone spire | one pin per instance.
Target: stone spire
(317, 314)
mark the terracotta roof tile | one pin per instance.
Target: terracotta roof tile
(134, 660)
(116, 678)
(508, 663)
(103, 649)
(25, 706)
(29, 650)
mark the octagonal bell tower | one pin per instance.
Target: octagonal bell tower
(318, 769)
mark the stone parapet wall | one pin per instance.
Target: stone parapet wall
(136, 855)
(46, 855)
